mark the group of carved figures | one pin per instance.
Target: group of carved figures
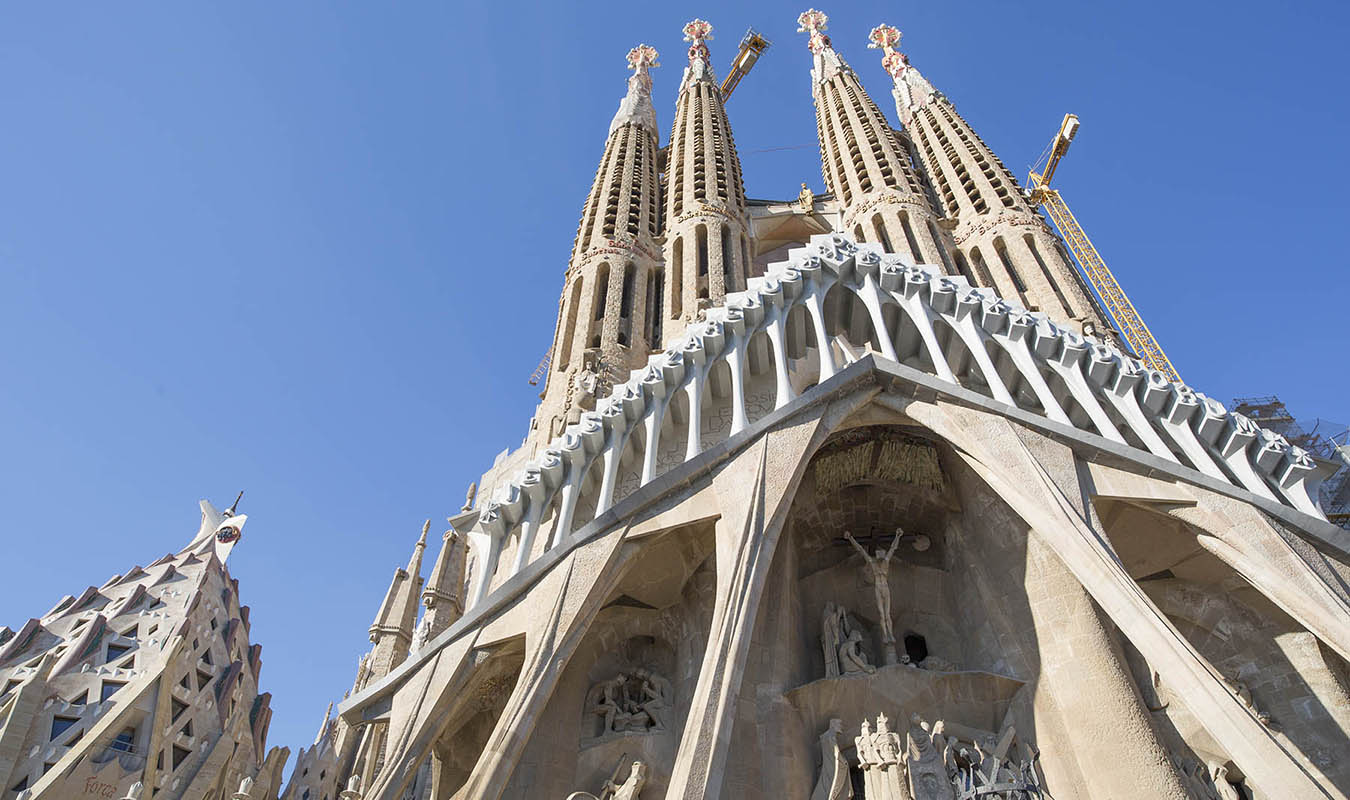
(928, 766)
(639, 702)
(841, 641)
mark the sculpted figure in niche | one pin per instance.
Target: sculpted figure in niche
(639, 702)
(927, 772)
(628, 790)
(657, 698)
(851, 658)
(879, 566)
(606, 701)
(1226, 790)
(834, 783)
(834, 628)
(868, 760)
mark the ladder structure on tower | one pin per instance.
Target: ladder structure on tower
(1090, 262)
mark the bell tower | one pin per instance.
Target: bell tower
(605, 326)
(1001, 241)
(707, 248)
(867, 164)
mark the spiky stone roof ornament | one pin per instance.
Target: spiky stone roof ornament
(827, 61)
(911, 89)
(813, 22)
(636, 106)
(698, 31)
(887, 39)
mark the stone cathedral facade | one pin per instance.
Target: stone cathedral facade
(850, 495)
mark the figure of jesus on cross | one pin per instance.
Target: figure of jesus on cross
(879, 565)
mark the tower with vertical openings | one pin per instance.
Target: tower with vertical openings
(1001, 241)
(707, 247)
(868, 165)
(606, 324)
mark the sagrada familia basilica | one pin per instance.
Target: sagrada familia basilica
(850, 495)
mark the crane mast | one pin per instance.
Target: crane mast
(1090, 262)
(752, 47)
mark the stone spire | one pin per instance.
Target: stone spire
(868, 165)
(707, 247)
(444, 595)
(393, 627)
(1002, 242)
(605, 327)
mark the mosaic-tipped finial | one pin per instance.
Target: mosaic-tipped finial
(642, 58)
(698, 32)
(887, 39)
(813, 22)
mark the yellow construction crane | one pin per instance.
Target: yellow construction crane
(752, 47)
(1093, 266)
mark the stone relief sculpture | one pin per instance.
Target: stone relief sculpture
(881, 757)
(879, 566)
(657, 698)
(628, 790)
(639, 703)
(1222, 788)
(1244, 695)
(833, 783)
(833, 629)
(928, 779)
(852, 660)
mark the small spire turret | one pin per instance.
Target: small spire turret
(392, 630)
(444, 595)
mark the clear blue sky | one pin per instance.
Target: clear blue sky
(313, 250)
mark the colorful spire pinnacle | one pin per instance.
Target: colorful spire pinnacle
(642, 58)
(887, 39)
(813, 22)
(636, 106)
(698, 31)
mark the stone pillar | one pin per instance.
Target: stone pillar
(1097, 703)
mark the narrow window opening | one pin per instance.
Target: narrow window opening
(1045, 272)
(125, 741)
(179, 756)
(880, 228)
(911, 238)
(702, 232)
(677, 279)
(570, 327)
(1002, 250)
(728, 263)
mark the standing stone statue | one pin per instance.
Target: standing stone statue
(879, 565)
(890, 769)
(833, 629)
(834, 783)
(868, 761)
(927, 774)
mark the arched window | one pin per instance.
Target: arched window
(728, 264)
(677, 278)
(626, 305)
(598, 301)
(702, 232)
(569, 327)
